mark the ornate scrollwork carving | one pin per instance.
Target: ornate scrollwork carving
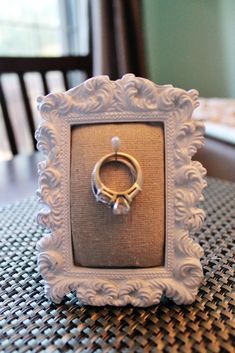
(130, 95)
(99, 95)
(184, 245)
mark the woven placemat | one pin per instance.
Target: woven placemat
(30, 323)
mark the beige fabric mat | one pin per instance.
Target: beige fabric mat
(101, 239)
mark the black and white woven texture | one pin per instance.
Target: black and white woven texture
(31, 323)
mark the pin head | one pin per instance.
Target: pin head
(116, 143)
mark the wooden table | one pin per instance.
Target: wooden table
(18, 178)
(218, 157)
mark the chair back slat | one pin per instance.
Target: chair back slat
(27, 108)
(44, 82)
(66, 83)
(7, 121)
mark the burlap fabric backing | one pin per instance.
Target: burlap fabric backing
(30, 323)
(100, 238)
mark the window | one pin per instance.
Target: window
(32, 28)
(45, 28)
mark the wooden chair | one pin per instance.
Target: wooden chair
(23, 65)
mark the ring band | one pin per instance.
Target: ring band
(119, 201)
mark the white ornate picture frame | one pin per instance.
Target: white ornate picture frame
(131, 99)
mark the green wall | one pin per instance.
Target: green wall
(191, 44)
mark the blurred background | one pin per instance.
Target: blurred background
(51, 46)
